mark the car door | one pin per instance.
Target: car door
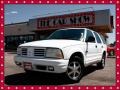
(99, 46)
(91, 47)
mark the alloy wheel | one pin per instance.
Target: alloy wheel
(74, 70)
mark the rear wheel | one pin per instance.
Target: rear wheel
(101, 64)
(75, 69)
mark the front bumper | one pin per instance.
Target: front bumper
(59, 65)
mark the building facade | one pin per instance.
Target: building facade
(40, 28)
(16, 34)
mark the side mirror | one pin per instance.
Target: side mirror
(90, 39)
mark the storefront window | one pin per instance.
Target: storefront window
(42, 37)
(21, 37)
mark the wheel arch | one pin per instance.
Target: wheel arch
(80, 54)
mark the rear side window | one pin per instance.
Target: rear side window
(103, 39)
(97, 38)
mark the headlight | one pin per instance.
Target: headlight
(54, 53)
(18, 51)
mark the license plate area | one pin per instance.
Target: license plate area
(41, 67)
(27, 65)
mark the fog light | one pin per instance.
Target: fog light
(50, 68)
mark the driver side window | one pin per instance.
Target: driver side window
(89, 37)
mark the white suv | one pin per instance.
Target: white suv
(67, 50)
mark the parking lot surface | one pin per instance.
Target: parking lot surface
(15, 75)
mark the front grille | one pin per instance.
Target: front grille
(39, 52)
(24, 51)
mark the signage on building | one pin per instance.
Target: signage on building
(69, 20)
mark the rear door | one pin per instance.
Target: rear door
(99, 46)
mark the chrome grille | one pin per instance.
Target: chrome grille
(24, 51)
(40, 52)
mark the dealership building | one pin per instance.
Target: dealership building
(100, 21)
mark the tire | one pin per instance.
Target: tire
(112, 53)
(75, 69)
(101, 64)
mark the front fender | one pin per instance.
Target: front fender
(69, 51)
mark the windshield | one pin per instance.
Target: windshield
(70, 34)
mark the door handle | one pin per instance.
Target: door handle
(96, 46)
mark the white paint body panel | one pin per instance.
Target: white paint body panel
(68, 48)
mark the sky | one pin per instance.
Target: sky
(24, 12)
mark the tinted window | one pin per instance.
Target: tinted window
(89, 34)
(71, 34)
(103, 39)
(97, 37)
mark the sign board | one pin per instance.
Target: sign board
(99, 21)
(69, 20)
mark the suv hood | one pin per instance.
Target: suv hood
(52, 43)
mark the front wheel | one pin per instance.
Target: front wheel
(112, 53)
(75, 69)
